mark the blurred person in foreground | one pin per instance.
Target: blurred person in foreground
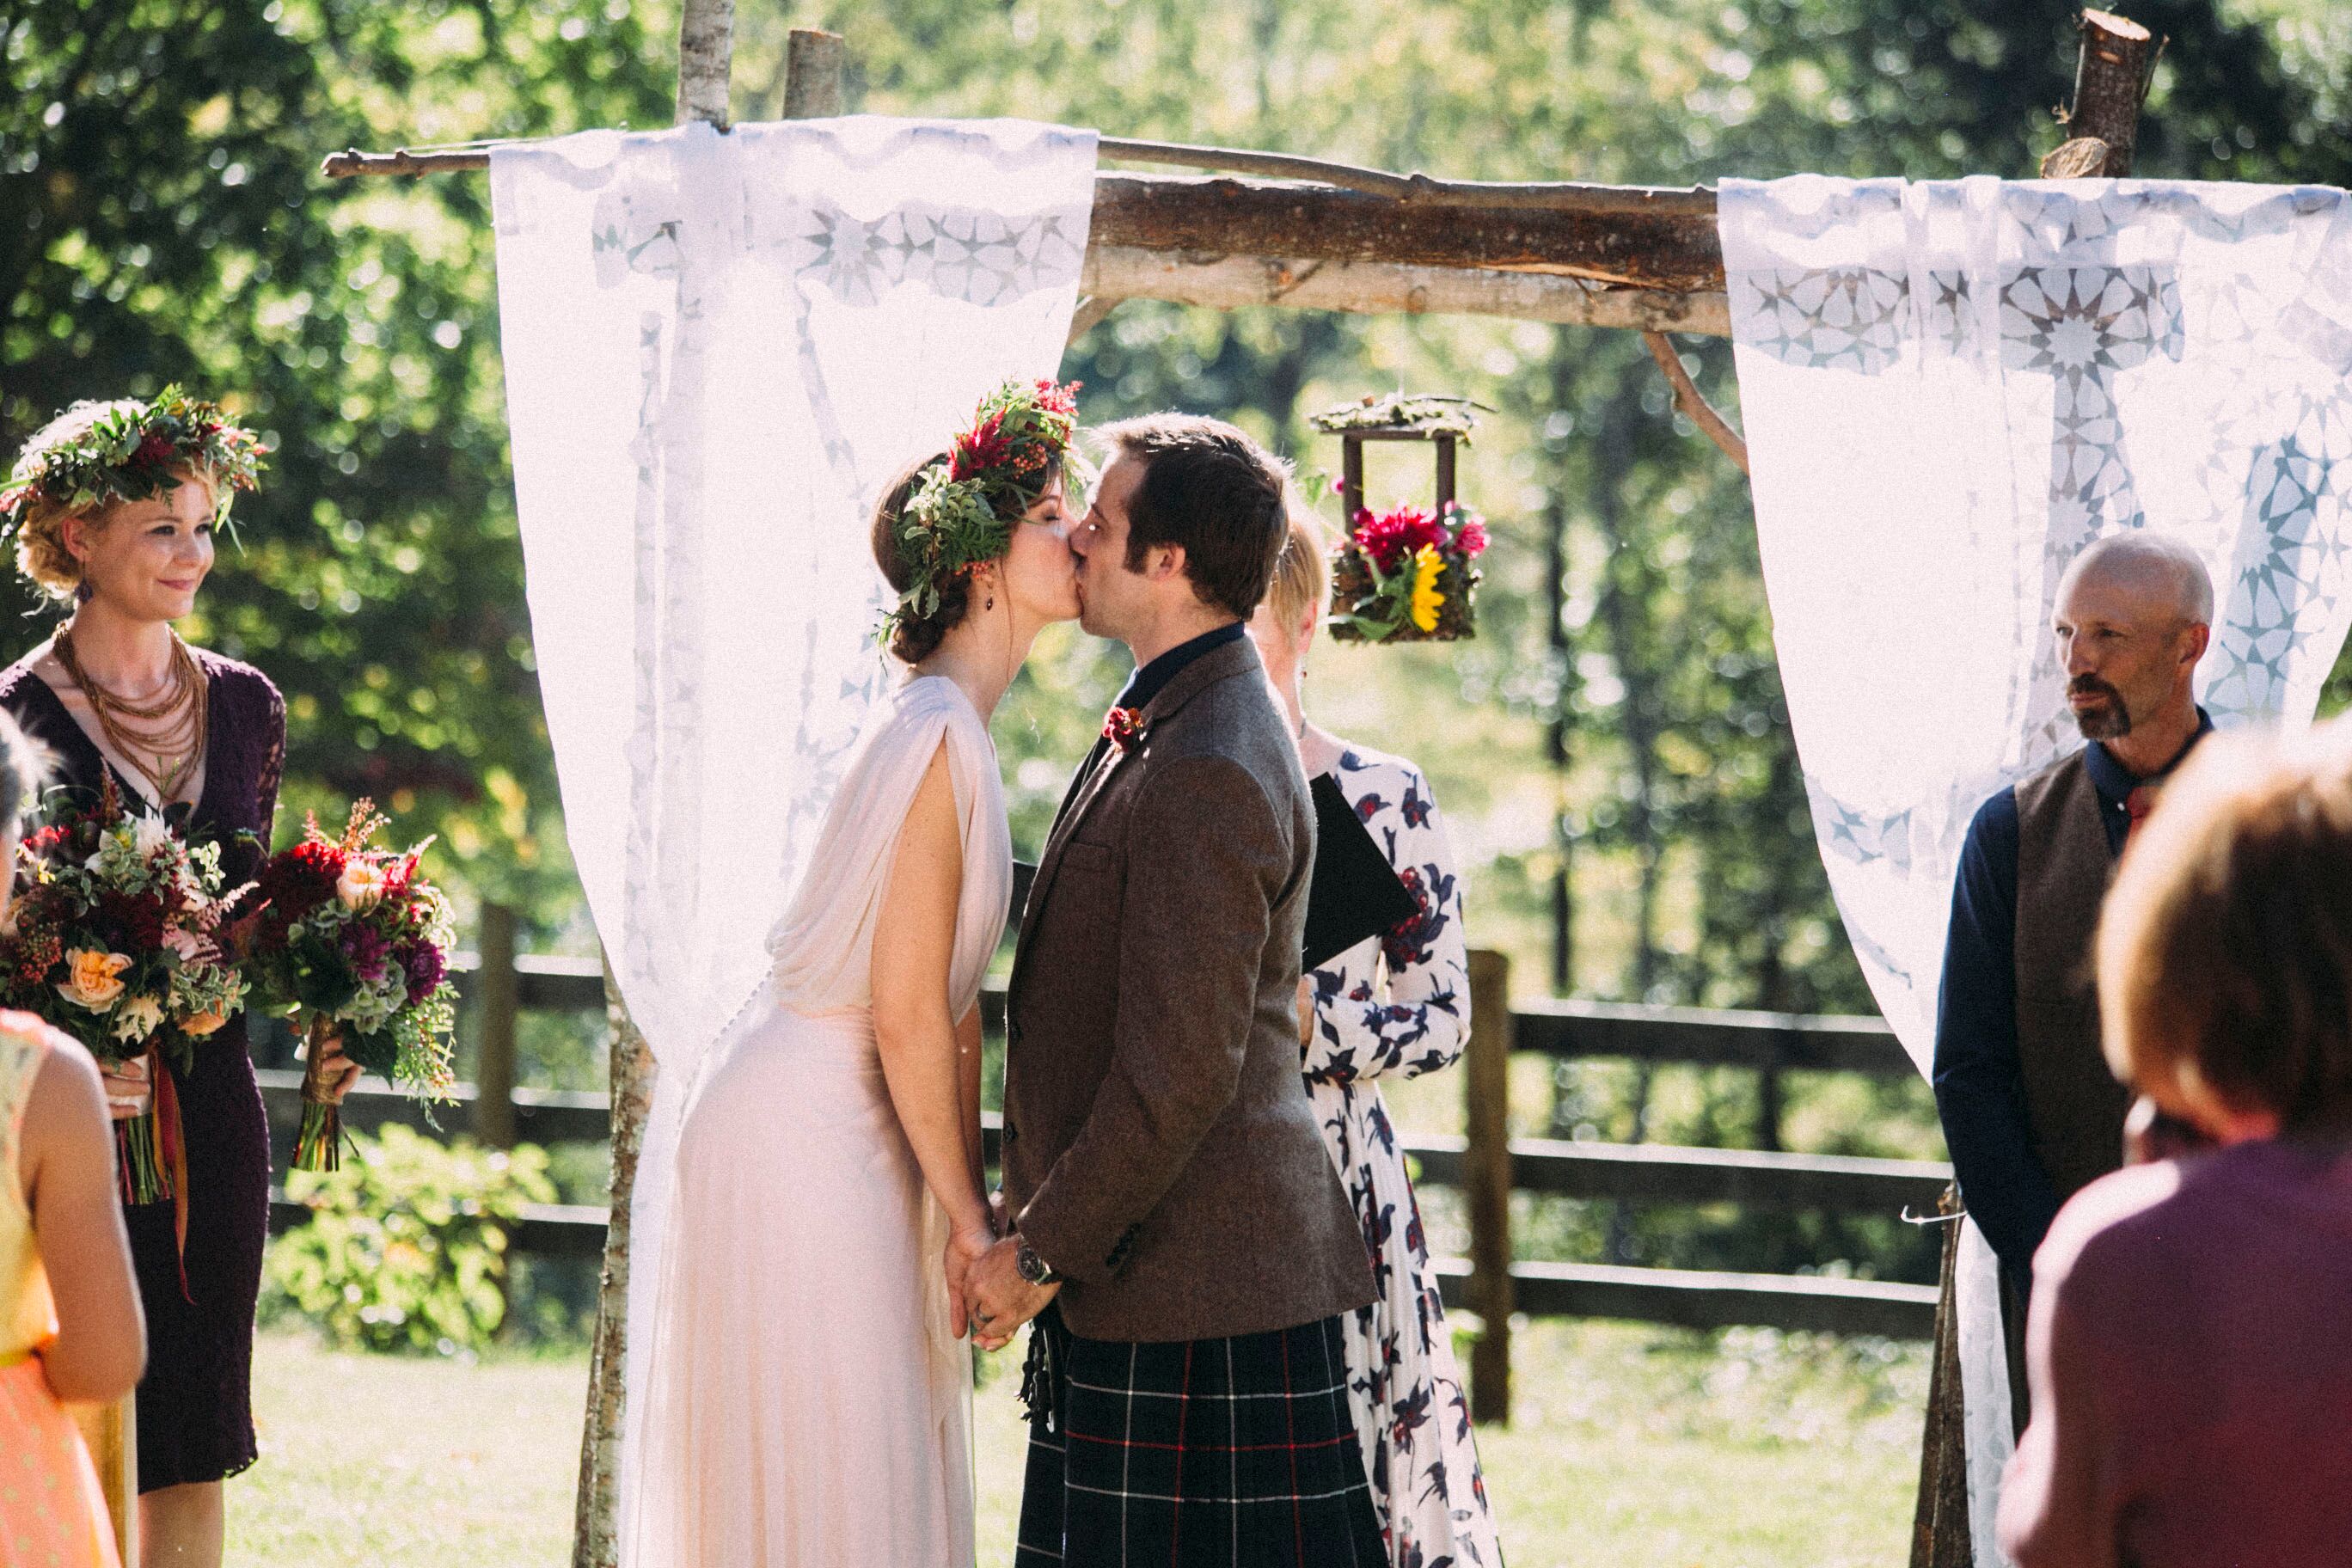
(2193, 1394)
(71, 1330)
(2030, 1111)
(1396, 1006)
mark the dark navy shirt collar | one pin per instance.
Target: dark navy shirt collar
(2116, 782)
(1147, 683)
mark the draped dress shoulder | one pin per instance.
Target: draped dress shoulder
(807, 1403)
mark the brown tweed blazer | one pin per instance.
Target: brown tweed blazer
(1159, 1149)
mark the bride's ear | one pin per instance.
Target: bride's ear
(987, 579)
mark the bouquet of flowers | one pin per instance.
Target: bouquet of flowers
(1407, 575)
(351, 940)
(114, 941)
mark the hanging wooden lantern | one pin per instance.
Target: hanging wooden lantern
(1409, 574)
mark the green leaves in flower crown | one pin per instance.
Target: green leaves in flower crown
(948, 527)
(133, 451)
(961, 513)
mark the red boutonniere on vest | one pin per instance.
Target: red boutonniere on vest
(1123, 729)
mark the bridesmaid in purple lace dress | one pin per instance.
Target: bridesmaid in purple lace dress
(202, 738)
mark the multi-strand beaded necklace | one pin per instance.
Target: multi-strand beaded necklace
(170, 728)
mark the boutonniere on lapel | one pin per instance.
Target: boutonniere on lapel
(1123, 729)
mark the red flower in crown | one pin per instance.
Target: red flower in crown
(983, 447)
(1123, 728)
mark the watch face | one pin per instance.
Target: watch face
(1032, 1267)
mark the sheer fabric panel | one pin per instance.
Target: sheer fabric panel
(719, 349)
(1949, 389)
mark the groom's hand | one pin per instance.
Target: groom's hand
(998, 1298)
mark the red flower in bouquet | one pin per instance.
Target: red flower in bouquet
(134, 920)
(354, 940)
(1393, 537)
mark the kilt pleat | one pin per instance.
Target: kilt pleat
(1227, 1453)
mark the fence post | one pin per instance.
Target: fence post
(497, 995)
(1486, 1182)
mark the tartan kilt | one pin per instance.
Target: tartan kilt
(1228, 1453)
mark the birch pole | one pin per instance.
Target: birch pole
(705, 46)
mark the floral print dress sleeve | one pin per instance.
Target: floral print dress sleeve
(1420, 1019)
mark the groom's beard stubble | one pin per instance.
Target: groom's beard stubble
(2111, 721)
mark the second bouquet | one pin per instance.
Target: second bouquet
(354, 942)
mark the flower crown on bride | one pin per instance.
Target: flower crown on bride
(132, 451)
(962, 511)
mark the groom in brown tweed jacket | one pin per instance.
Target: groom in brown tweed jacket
(1179, 1232)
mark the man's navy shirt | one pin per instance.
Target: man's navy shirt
(1980, 1086)
(1147, 683)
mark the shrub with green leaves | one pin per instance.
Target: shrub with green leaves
(405, 1248)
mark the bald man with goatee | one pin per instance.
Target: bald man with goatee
(2030, 1111)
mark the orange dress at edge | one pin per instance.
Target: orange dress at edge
(52, 1513)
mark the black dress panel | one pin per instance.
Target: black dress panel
(195, 1406)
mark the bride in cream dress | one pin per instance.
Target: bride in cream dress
(808, 1400)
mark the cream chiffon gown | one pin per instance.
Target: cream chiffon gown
(807, 1406)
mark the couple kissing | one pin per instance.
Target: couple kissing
(1171, 1227)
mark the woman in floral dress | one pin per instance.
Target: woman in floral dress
(1398, 1005)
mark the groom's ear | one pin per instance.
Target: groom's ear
(1162, 562)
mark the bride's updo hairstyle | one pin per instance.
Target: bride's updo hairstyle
(914, 638)
(955, 511)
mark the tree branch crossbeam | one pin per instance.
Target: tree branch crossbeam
(1603, 256)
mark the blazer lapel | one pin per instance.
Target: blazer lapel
(1221, 664)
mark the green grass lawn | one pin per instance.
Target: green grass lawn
(1632, 1447)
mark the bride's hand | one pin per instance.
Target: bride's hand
(966, 1246)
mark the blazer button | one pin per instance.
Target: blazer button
(1010, 1132)
(1011, 1033)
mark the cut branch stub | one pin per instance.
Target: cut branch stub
(815, 63)
(2110, 78)
(1664, 250)
(2083, 158)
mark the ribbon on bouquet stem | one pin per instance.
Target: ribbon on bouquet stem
(318, 1145)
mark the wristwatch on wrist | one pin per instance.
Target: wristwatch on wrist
(1032, 1267)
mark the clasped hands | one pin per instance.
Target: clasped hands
(130, 1091)
(986, 1292)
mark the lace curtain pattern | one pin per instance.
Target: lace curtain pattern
(720, 347)
(1949, 389)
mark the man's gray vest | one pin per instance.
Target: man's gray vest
(2064, 866)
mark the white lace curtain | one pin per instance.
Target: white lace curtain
(1949, 389)
(720, 348)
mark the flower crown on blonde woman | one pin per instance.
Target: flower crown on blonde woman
(961, 513)
(133, 451)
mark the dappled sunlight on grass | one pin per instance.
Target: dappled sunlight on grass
(1632, 1447)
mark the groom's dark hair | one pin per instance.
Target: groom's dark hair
(1209, 488)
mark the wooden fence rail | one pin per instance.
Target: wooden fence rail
(1487, 1165)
